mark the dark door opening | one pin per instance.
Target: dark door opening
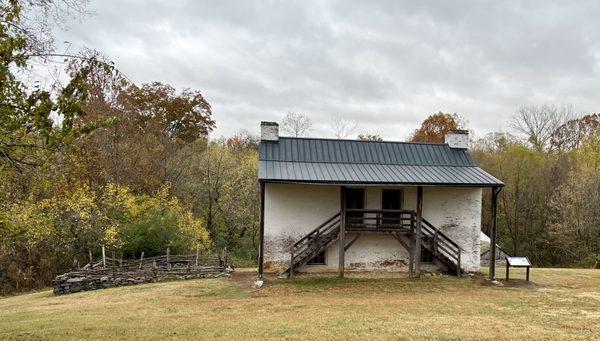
(391, 199)
(355, 199)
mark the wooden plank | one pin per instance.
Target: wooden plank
(103, 257)
(261, 232)
(292, 265)
(402, 242)
(351, 242)
(495, 192)
(342, 238)
(418, 233)
(458, 269)
(411, 255)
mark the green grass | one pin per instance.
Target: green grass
(559, 304)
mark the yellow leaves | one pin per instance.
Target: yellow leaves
(98, 217)
(111, 237)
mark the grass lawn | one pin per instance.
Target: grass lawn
(560, 304)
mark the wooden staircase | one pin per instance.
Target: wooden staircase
(441, 246)
(313, 243)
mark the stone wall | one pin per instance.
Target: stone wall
(111, 272)
(77, 281)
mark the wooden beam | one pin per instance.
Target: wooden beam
(411, 255)
(261, 232)
(402, 242)
(342, 238)
(351, 242)
(495, 192)
(418, 233)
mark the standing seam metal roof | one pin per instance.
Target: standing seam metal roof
(310, 160)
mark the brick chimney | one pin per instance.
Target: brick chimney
(269, 131)
(457, 139)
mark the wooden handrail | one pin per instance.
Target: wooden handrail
(317, 229)
(378, 211)
(440, 233)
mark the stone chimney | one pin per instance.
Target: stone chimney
(269, 131)
(457, 139)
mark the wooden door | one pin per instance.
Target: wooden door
(355, 199)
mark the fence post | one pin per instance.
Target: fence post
(225, 256)
(168, 258)
(113, 264)
(103, 257)
(91, 259)
(75, 264)
(197, 254)
(141, 260)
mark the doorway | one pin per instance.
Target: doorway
(391, 199)
(355, 199)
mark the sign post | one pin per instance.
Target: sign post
(518, 262)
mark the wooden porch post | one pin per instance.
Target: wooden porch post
(418, 235)
(411, 256)
(342, 239)
(261, 232)
(495, 192)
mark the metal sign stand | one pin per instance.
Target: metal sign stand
(518, 262)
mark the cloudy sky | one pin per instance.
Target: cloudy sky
(384, 64)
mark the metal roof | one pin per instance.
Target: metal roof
(310, 160)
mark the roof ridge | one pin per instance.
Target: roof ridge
(367, 141)
(371, 163)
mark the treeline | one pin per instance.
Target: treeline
(550, 207)
(98, 160)
(549, 160)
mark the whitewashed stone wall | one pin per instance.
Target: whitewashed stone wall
(291, 211)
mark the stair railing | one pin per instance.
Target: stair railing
(443, 244)
(299, 248)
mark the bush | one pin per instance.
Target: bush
(40, 238)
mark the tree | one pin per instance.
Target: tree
(369, 137)
(574, 133)
(296, 124)
(540, 123)
(435, 127)
(242, 141)
(185, 116)
(33, 118)
(575, 225)
(343, 128)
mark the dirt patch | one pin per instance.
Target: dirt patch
(511, 283)
(246, 279)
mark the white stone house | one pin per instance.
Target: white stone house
(375, 198)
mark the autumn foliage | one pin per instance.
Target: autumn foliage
(435, 127)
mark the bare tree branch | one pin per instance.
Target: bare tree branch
(343, 128)
(539, 123)
(296, 124)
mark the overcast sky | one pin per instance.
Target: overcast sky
(385, 64)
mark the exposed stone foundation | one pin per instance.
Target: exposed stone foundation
(92, 280)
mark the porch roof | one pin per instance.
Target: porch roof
(309, 160)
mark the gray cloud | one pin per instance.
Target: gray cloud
(386, 65)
